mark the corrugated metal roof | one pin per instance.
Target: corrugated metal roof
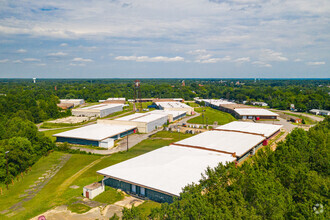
(141, 117)
(96, 132)
(254, 112)
(167, 169)
(172, 105)
(259, 128)
(227, 141)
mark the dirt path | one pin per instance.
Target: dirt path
(69, 181)
(101, 212)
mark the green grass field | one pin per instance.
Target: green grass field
(192, 104)
(77, 171)
(211, 115)
(109, 196)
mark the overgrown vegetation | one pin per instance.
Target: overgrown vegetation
(290, 183)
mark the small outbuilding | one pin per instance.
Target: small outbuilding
(93, 190)
(75, 102)
(254, 113)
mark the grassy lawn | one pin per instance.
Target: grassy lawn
(49, 133)
(57, 191)
(48, 125)
(79, 208)
(211, 115)
(146, 207)
(192, 104)
(109, 196)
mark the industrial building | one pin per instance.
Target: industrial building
(75, 102)
(114, 101)
(254, 113)
(175, 106)
(239, 111)
(237, 144)
(161, 174)
(100, 110)
(319, 112)
(267, 130)
(172, 115)
(100, 135)
(145, 122)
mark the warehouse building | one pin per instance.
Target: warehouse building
(319, 112)
(75, 102)
(145, 122)
(254, 113)
(267, 130)
(100, 135)
(172, 115)
(161, 174)
(238, 144)
(100, 110)
(175, 106)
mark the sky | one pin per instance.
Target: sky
(165, 39)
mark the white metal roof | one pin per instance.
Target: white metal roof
(141, 117)
(167, 169)
(168, 112)
(100, 107)
(228, 141)
(259, 128)
(254, 112)
(172, 105)
(96, 132)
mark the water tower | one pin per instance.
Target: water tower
(34, 80)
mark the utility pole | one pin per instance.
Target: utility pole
(7, 167)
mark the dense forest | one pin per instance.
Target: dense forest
(38, 101)
(25, 144)
(290, 183)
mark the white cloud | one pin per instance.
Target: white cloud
(149, 59)
(41, 64)
(270, 55)
(77, 64)
(298, 60)
(79, 59)
(214, 60)
(17, 61)
(316, 63)
(262, 64)
(63, 44)
(31, 59)
(57, 54)
(21, 51)
(4, 61)
(242, 59)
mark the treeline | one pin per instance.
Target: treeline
(290, 183)
(32, 103)
(40, 98)
(25, 145)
